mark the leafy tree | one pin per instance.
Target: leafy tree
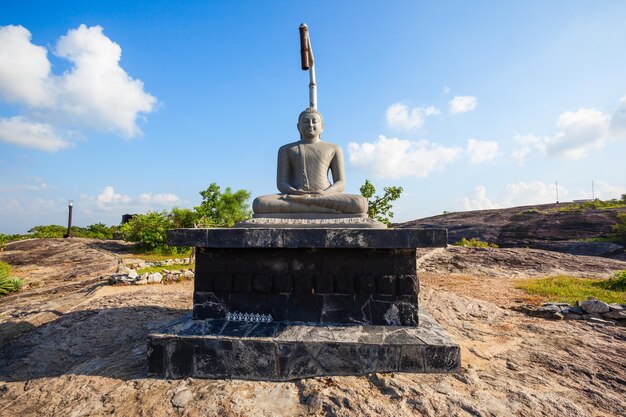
(50, 231)
(223, 209)
(96, 231)
(149, 229)
(183, 218)
(379, 208)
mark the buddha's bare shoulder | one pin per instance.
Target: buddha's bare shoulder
(288, 146)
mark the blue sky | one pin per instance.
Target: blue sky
(126, 107)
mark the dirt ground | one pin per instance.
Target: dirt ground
(71, 345)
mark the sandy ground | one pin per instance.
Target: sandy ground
(73, 346)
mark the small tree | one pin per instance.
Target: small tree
(223, 209)
(183, 218)
(379, 208)
(149, 229)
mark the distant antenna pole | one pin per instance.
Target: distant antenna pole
(593, 191)
(556, 183)
(306, 53)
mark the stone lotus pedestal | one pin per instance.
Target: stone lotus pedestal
(280, 304)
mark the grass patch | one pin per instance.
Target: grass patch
(175, 267)
(8, 284)
(153, 256)
(474, 243)
(566, 289)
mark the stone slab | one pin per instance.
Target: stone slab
(309, 238)
(282, 351)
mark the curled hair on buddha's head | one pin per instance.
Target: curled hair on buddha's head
(310, 110)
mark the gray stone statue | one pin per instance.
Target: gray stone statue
(302, 178)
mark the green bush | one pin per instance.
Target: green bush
(474, 243)
(223, 209)
(149, 230)
(617, 283)
(619, 230)
(8, 284)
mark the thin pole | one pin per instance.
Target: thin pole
(308, 63)
(593, 191)
(556, 183)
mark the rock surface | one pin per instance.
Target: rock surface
(545, 226)
(83, 352)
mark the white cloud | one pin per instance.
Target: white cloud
(462, 104)
(97, 86)
(400, 117)
(481, 151)
(514, 194)
(528, 143)
(618, 120)
(95, 93)
(108, 200)
(579, 133)
(160, 199)
(24, 68)
(19, 131)
(396, 158)
(478, 200)
(109, 196)
(36, 187)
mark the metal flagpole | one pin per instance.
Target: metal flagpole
(306, 53)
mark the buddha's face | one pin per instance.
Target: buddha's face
(310, 125)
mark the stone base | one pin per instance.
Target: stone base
(283, 351)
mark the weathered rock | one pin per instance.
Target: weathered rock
(187, 274)
(141, 281)
(155, 277)
(592, 316)
(591, 305)
(573, 310)
(601, 321)
(132, 274)
(182, 398)
(614, 315)
(617, 307)
(572, 316)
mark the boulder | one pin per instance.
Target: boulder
(155, 277)
(591, 306)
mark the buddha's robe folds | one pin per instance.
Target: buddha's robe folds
(303, 168)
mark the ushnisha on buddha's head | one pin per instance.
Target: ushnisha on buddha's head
(310, 124)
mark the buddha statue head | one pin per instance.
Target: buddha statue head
(310, 124)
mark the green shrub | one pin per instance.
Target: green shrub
(474, 243)
(222, 209)
(149, 230)
(8, 284)
(618, 231)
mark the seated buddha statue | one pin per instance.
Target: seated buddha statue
(302, 178)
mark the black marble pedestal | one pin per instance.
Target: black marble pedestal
(282, 351)
(289, 303)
